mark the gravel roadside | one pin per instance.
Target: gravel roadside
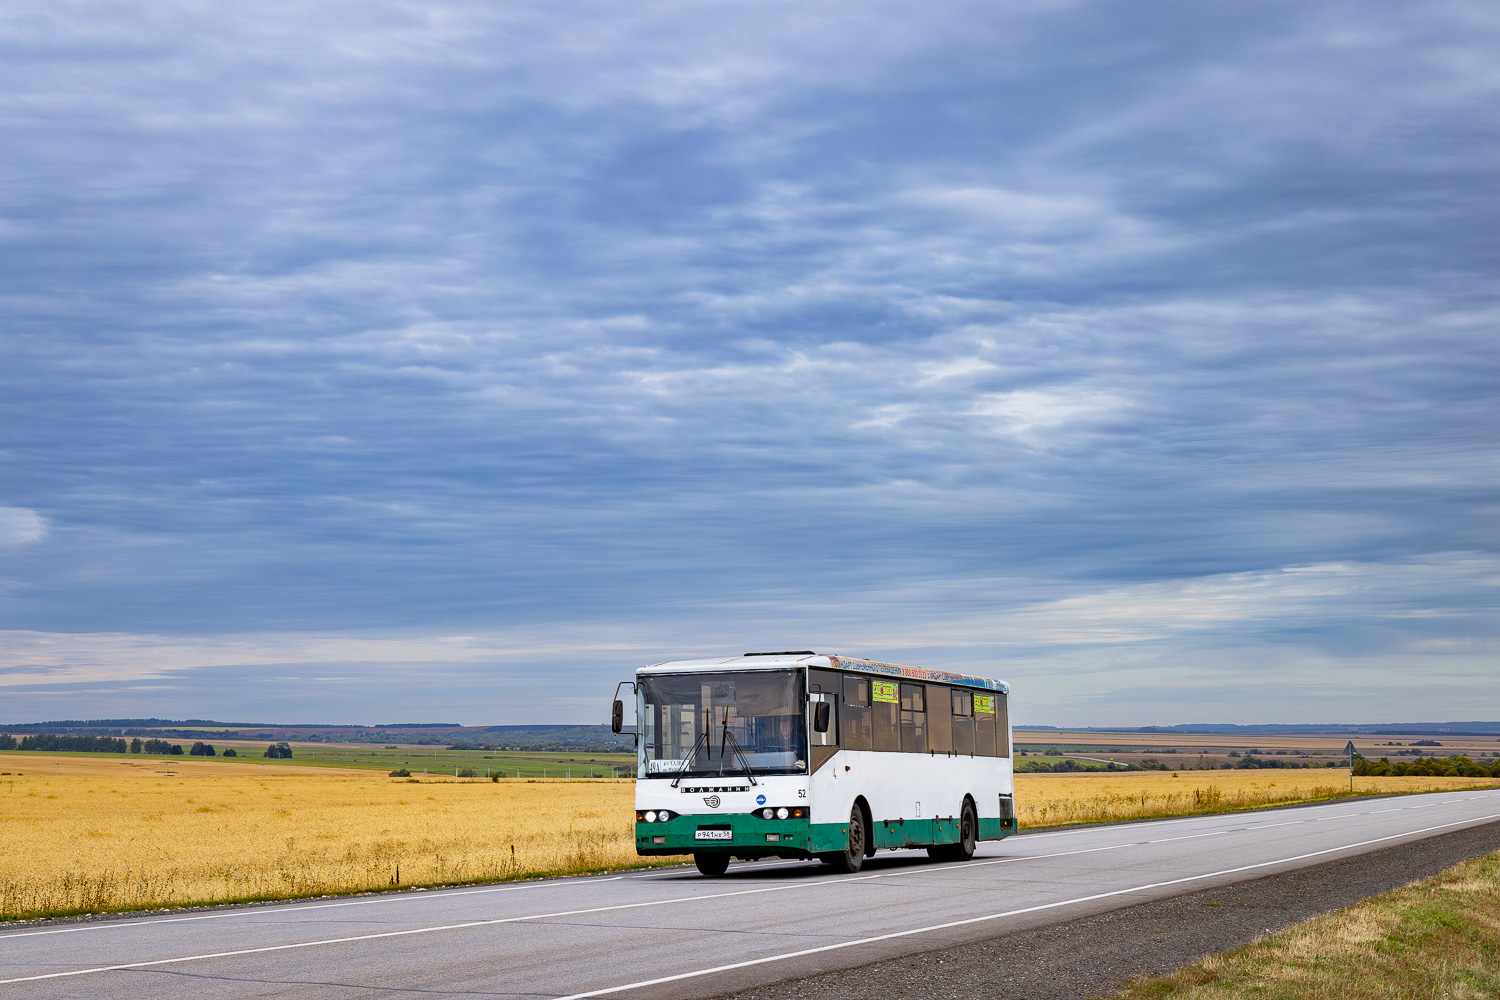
(1094, 956)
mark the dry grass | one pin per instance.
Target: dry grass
(1063, 799)
(76, 844)
(105, 765)
(1436, 938)
(122, 836)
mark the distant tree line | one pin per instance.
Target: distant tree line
(1061, 767)
(1429, 767)
(74, 744)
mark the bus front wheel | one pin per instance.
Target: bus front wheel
(852, 857)
(712, 865)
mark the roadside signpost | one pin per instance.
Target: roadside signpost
(1349, 749)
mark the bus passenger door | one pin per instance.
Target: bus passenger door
(822, 689)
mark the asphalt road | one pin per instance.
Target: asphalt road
(676, 934)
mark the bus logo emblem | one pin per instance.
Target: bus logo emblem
(712, 802)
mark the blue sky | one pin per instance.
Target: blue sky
(375, 361)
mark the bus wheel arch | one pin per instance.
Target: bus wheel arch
(968, 835)
(857, 847)
(968, 817)
(864, 809)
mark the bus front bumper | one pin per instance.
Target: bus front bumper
(738, 834)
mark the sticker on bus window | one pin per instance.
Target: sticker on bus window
(984, 704)
(884, 691)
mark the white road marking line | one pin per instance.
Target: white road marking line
(998, 916)
(592, 909)
(429, 895)
(592, 881)
(1210, 817)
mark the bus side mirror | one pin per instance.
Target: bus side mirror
(617, 716)
(822, 712)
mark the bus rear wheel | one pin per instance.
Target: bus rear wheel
(852, 857)
(712, 865)
(968, 838)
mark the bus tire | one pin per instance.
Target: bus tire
(852, 857)
(968, 837)
(712, 865)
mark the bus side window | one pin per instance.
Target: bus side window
(939, 719)
(854, 714)
(1002, 725)
(984, 724)
(823, 686)
(963, 723)
(913, 718)
(885, 704)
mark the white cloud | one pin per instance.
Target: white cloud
(19, 526)
(1039, 417)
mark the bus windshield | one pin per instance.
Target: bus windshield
(762, 711)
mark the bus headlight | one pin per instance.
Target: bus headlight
(663, 815)
(650, 816)
(782, 813)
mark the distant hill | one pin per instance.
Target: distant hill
(534, 737)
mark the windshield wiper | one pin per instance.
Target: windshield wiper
(729, 738)
(687, 762)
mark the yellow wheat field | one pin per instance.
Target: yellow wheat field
(1063, 799)
(127, 839)
(96, 843)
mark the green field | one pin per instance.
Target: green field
(431, 760)
(438, 760)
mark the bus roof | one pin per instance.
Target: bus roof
(784, 661)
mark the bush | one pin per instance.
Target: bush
(495, 776)
(467, 772)
(201, 749)
(176, 750)
(400, 772)
(1428, 767)
(1061, 767)
(279, 751)
(231, 752)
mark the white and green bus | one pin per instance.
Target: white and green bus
(803, 755)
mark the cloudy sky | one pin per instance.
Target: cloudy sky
(378, 361)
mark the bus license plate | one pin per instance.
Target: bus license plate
(713, 835)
